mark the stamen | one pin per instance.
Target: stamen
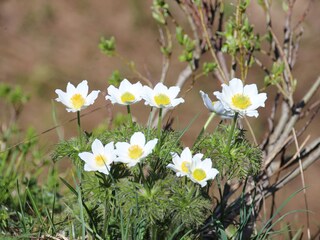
(199, 174)
(185, 166)
(100, 160)
(135, 152)
(127, 97)
(162, 99)
(241, 101)
(77, 101)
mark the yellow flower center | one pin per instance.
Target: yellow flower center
(185, 166)
(135, 152)
(100, 160)
(199, 174)
(162, 99)
(241, 101)
(127, 97)
(77, 101)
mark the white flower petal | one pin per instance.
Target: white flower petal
(252, 113)
(104, 169)
(177, 101)
(71, 110)
(137, 88)
(97, 147)
(113, 94)
(197, 157)
(92, 97)
(250, 90)
(207, 101)
(186, 155)
(149, 147)
(62, 97)
(132, 163)
(138, 138)
(71, 89)
(122, 148)
(173, 167)
(124, 85)
(86, 156)
(160, 88)
(173, 91)
(176, 159)
(206, 163)
(83, 88)
(236, 86)
(88, 167)
(212, 173)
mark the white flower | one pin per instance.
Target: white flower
(126, 94)
(133, 152)
(216, 106)
(242, 99)
(202, 171)
(161, 96)
(77, 98)
(101, 157)
(182, 163)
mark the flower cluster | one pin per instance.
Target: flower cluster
(77, 98)
(101, 157)
(236, 98)
(159, 97)
(193, 167)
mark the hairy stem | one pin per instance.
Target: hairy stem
(233, 126)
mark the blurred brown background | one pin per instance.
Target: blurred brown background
(44, 44)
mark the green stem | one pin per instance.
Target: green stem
(105, 216)
(159, 124)
(205, 126)
(232, 131)
(154, 232)
(79, 127)
(149, 123)
(142, 178)
(130, 115)
(222, 201)
(112, 178)
(209, 120)
(83, 226)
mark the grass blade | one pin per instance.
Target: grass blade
(35, 208)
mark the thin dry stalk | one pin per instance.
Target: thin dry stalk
(303, 183)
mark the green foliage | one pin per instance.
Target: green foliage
(107, 46)
(197, 3)
(120, 119)
(240, 161)
(26, 206)
(68, 149)
(167, 50)
(13, 95)
(265, 232)
(209, 67)
(115, 78)
(247, 39)
(187, 43)
(160, 11)
(276, 75)
(158, 200)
